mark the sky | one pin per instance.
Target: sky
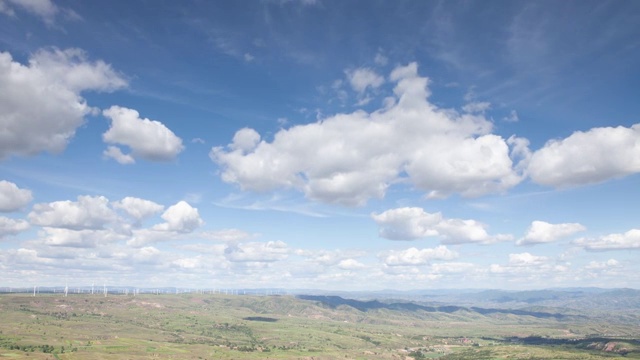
(318, 144)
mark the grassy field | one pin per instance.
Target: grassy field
(197, 326)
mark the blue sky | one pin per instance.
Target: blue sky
(320, 144)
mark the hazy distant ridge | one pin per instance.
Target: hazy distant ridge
(335, 301)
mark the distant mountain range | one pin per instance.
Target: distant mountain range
(563, 298)
(547, 302)
(335, 301)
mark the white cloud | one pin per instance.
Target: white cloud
(188, 263)
(476, 107)
(70, 69)
(541, 232)
(5, 9)
(181, 218)
(93, 222)
(381, 59)
(596, 265)
(78, 238)
(325, 258)
(301, 2)
(12, 198)
(116, 153)
(363, 101)
(193, 198)
(45, 9)
(452, 268)
(413, 256)
(227, 235)
(512, 117)
(87, 213)
(147, 139)
(11, 226)
(407, 223)
(138, 208)
(412, 223)
(28, 256)
(155, 234)
(526, 259)
(630, 240)
(146, 254)
(409, 71)
(257, 252)
(41, 103)
(282, 121)
(361, 79)
(587, 157)
(350, 158)
(526, 264)
(209, 249)
(245, 140)
(350, 264)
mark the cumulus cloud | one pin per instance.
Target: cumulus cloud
(350, 264)
(181, 218)
(587, 157)
(78, 238)
(116, 154)
(526, 259)
(93, 221)
(89, 212)
(541, 232)
(413, 256)
(12, 198)
(245, 140)
(410, 223)
(324, 258)
(629, 240)
(29, 257)
(137, 208)
(189, 263)
(526, 263)
(12, 226)
(41, 103)
(350, 158)
(257, 252)
(147, 139)
(147, 254)
(362, 79)
(155, 234)
(597, 265)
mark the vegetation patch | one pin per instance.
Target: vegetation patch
(260, 318)
(217, 326)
